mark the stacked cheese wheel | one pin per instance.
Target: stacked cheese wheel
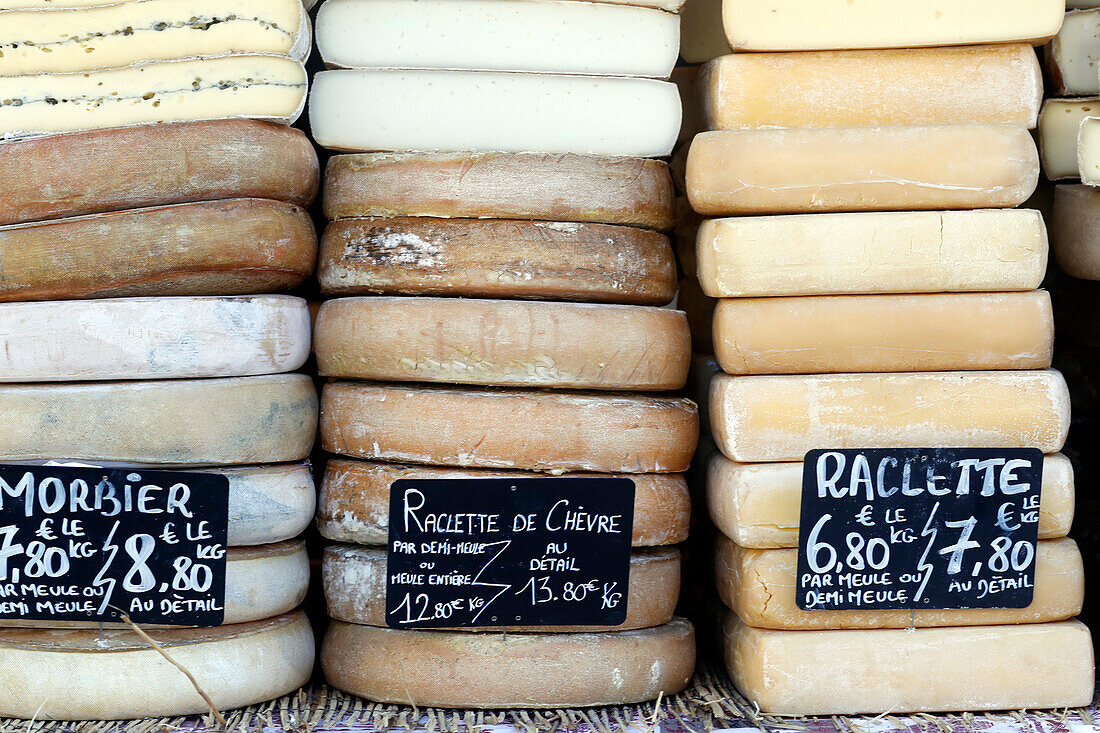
(503, 315)
(145, 221)
(876, 292)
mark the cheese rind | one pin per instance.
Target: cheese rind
(780, 418)
(1074, 230)
(503, 343)
(887, 670)
(497, 258)
(884, 333)
(355, 500)
(497, 670)
(732, 172)
(540, 431)
(1088, 151)
(1072, 55)
(1000, 84)
(1059, 127)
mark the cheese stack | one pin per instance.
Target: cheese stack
(502, 312)
(878, 292)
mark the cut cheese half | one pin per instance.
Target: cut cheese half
(1073, 54)
(53, 39)
(504, 670)
(837, 254)
(240, 420)
(702, 36)
(355, 500)
(355, 590)
(1059, 127)
(781, 418)
(1011, 667)
(732, 172)
(549, 36)
(264, 87)
(1088, 151)
(153, 338)
(809, 25)
(114, 674)
(583, 188)
(504, 343)
(540, 431)
(759, 504)
(378, 110)
(884, 333)
(1075, 230)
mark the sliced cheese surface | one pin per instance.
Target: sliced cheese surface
(1073, 53)
(541, 431)
(258, 86)
(836, 254)
(1075, 230)
(884, 333)
(1011, 667)
(153, 338)
(732, 172)
(379, 110)
(354, 503)
(504, 670)
(355, 590)
(1000, 84)
(561, 187)
(808, 25)
(781, 418)
(702, 36)
(550, 36)
(759, 504)
(497, 258)
(240, 420)
(114, 674)
(503, 343)
(1059, 127)
(1088, 151)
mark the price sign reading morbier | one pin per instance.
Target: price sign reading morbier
(78, 543)
(508, 552)
(944, 528)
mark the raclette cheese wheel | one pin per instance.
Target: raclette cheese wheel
(503, 343)
(1074, 229)
(355, 500)
(1059, 127)
(505, 670)
(540, 431)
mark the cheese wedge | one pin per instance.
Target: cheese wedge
(381, 109)
(265, 87)
(1073, 53)
(1059, 126)
(539, 431)
(702, 37)
(546, 36)
(265, 419)
(355, 500)
(758, 505)
(884, 333)
(504, 343)
(497, 258)
(582, 188)
(733, 172)
(809, 25)
(1074, 228)
(504, 670)
(887, 670)
(115, 674)
(766, 419)
(920, 86)
(827, 254)
(49, 39)
(1088, 151)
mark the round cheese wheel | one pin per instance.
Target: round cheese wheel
(504, 343)
(355, 589)
(114, 674)
(497, 258)
(154, 165)
(591, 188)
(355, 500)
(542, 431)
(266, 419)
(269, 503)
(502, 670)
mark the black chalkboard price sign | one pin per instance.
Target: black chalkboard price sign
(539, 551)
(79, 544)
(945, 528)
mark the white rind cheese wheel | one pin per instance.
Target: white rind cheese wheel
(1072, 55)
(355, 590)
(463, 670)
(269, 503)
(1075, 229)
(504, 343)
(114, 674)
(1059, 126)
